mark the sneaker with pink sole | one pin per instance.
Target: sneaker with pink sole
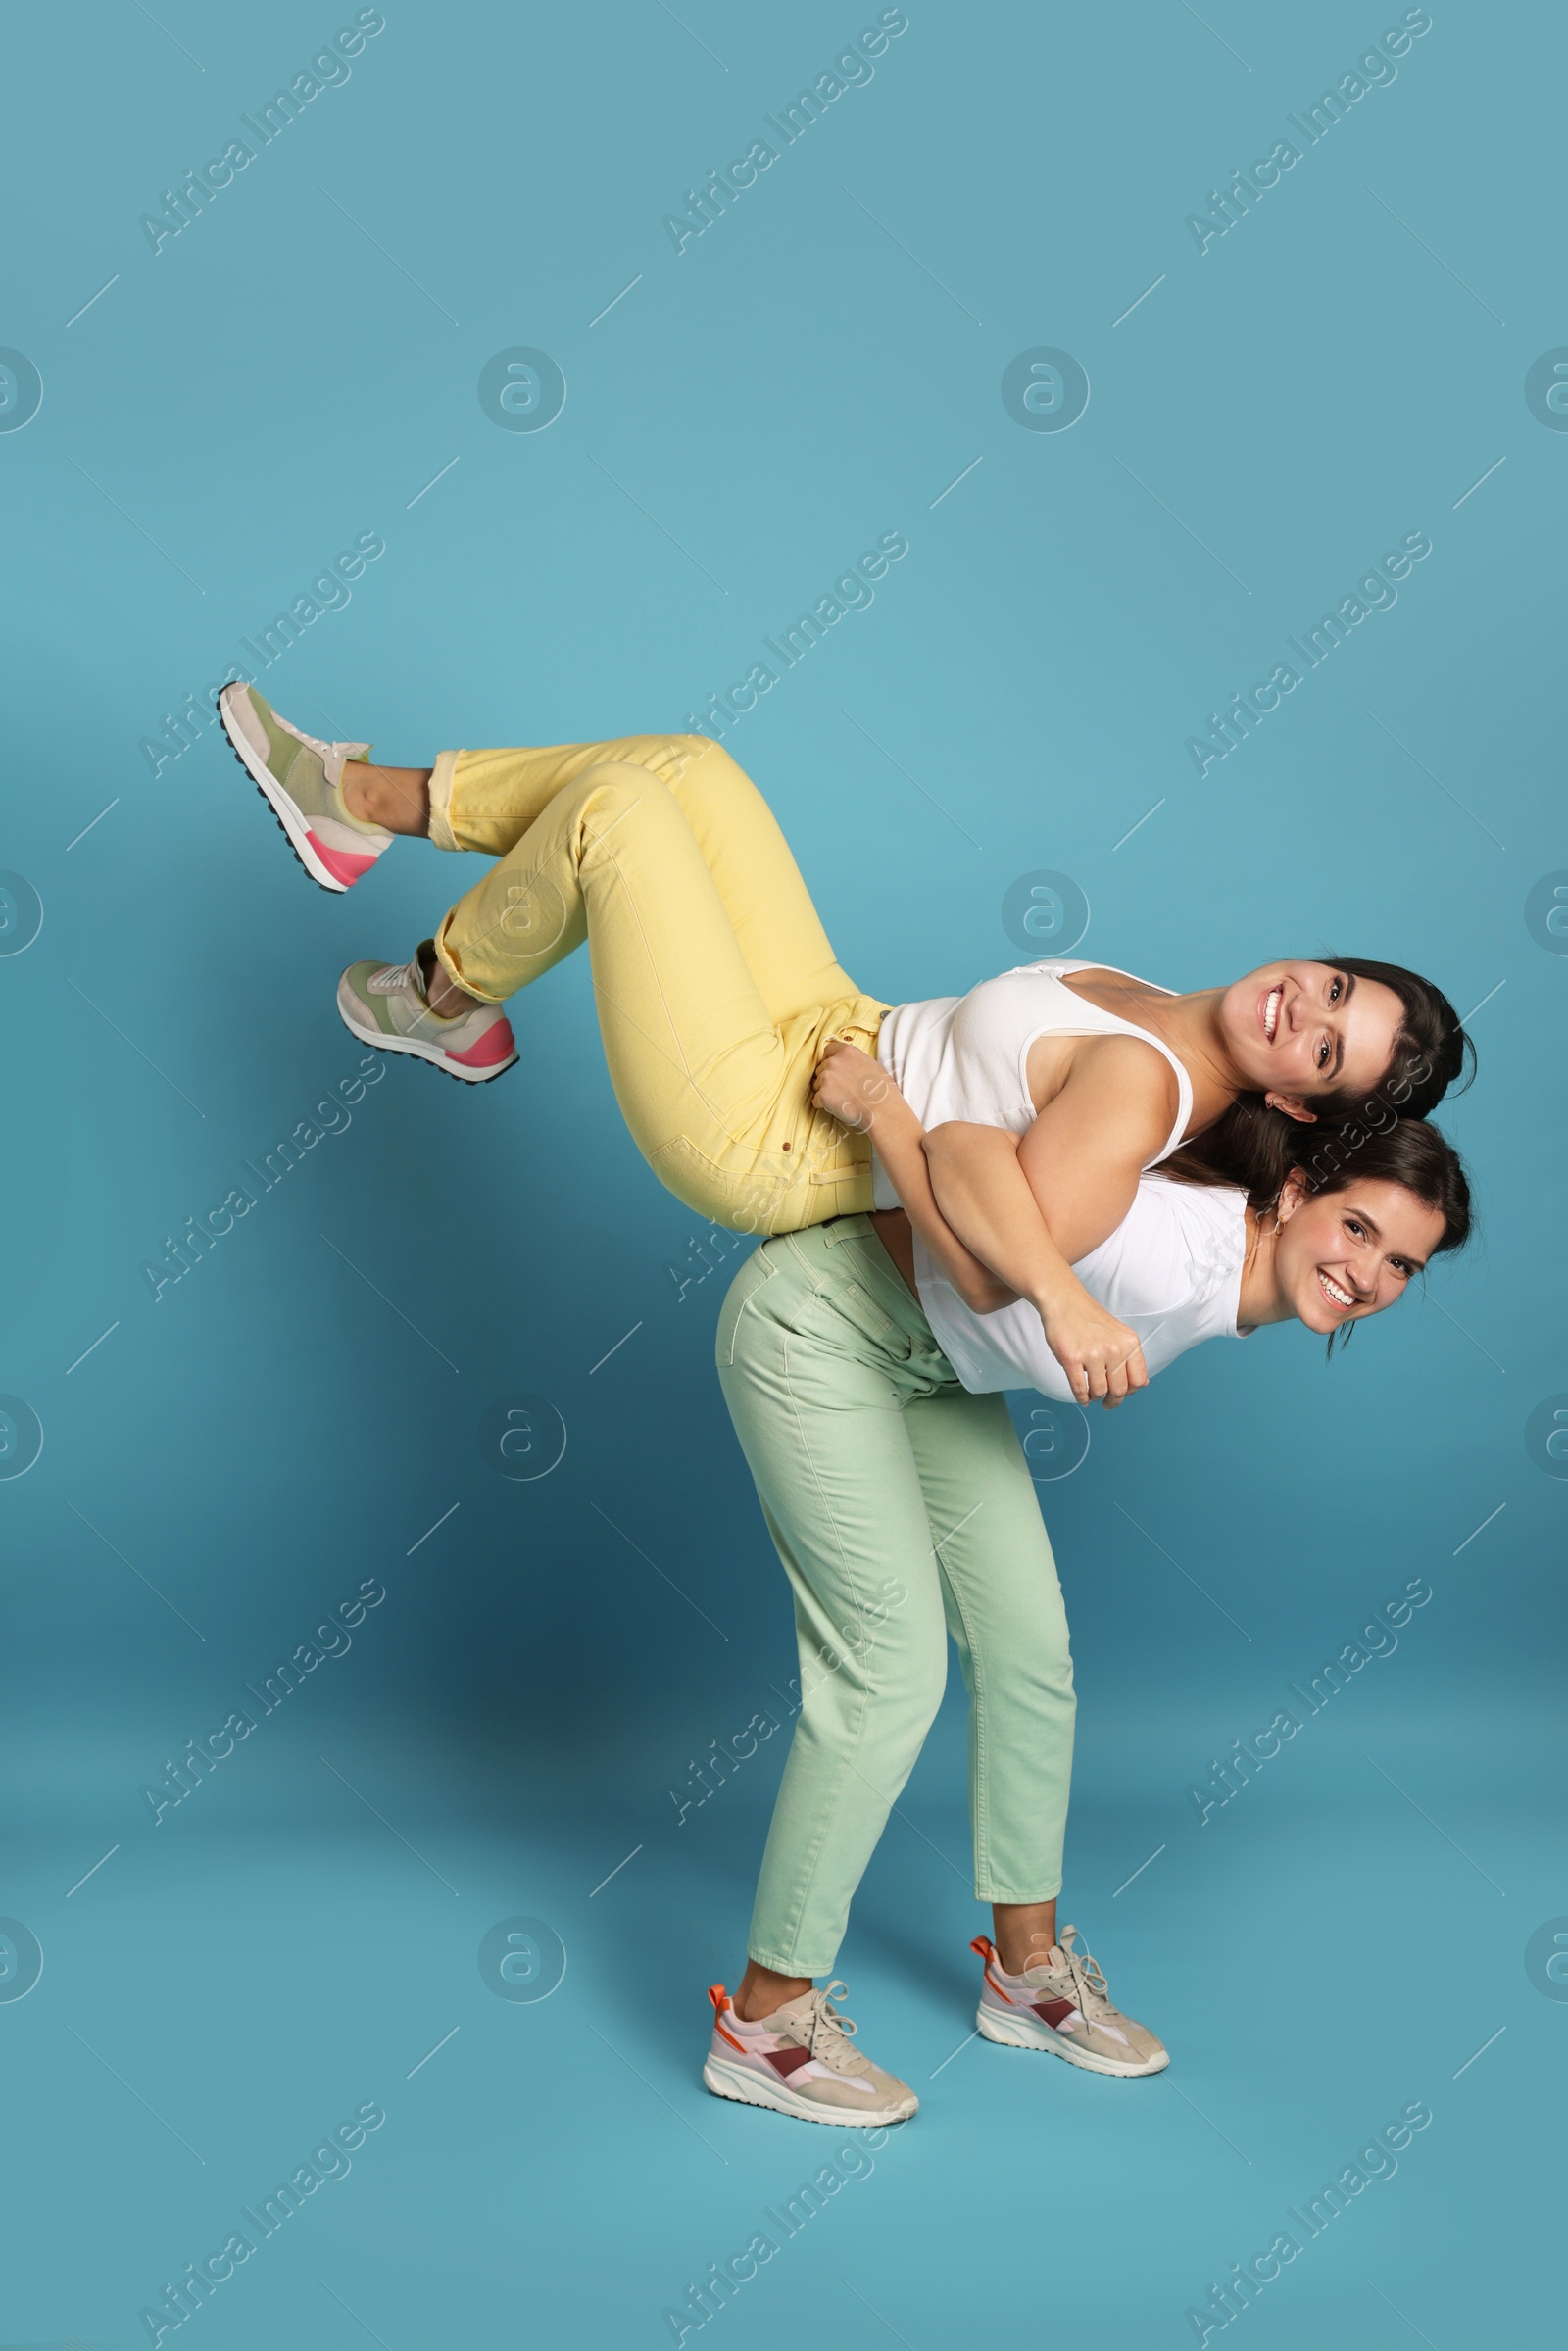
(300, 779)
(385, 1005)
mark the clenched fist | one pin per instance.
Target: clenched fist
(849, 1085)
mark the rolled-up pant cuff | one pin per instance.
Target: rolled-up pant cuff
(783, 1965)
(453, 971)
(441, 775)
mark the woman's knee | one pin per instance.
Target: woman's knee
(879, 1613)
(668, 757)
(1036, 1688)
(619, 781)
(1025, 1661)
(893, 1694)
(621, 811)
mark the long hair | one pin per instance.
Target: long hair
(1256, 1148)
(1405, 1152)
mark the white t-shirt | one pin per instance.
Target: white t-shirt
(1171, 1271)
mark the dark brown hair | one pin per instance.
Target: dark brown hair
(1402, 1150)
(1254, 1147)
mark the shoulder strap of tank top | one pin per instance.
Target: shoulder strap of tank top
(1130, 1028)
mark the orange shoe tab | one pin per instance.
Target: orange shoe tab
(719, 1997)
(984, 1945)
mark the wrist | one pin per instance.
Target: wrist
(891, 1121)
(1050, 1300)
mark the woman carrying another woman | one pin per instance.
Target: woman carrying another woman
(1043, 1251)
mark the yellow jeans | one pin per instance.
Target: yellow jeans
(715, 982)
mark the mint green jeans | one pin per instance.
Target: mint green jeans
(903, 1510)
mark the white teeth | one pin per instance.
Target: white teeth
(1271, 1012)
(1332, 1290)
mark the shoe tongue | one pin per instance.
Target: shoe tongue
(1050, 1963)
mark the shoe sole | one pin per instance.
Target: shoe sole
(282, 808)
(431, 1053)
(750, 2089)
(1008, 2036)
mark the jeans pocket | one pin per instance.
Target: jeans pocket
(758, 1270)
(857, 1307)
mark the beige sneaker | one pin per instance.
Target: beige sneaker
(300, 779)
(385, 1005)
(1063, 2004)
(800, 2061)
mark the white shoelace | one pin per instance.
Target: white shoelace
(1088, 1978)
(828, 2034)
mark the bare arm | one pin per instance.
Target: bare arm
(1032, 1212)
(979, 1185)
(858, 1091)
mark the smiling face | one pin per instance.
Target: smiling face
(1297, 1031)
(1342, 1256)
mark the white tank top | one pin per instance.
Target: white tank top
(967, 1057)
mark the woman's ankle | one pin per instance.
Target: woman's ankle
(763, 1990)
(1025, 1932)
(446, 999)
(398, 798)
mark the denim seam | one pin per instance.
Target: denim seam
(982, 1804)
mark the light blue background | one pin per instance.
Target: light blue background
(1276, 413)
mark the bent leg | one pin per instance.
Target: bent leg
(1005, 1614)
(815, 1397)
(488, 800)
(714, 1086)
